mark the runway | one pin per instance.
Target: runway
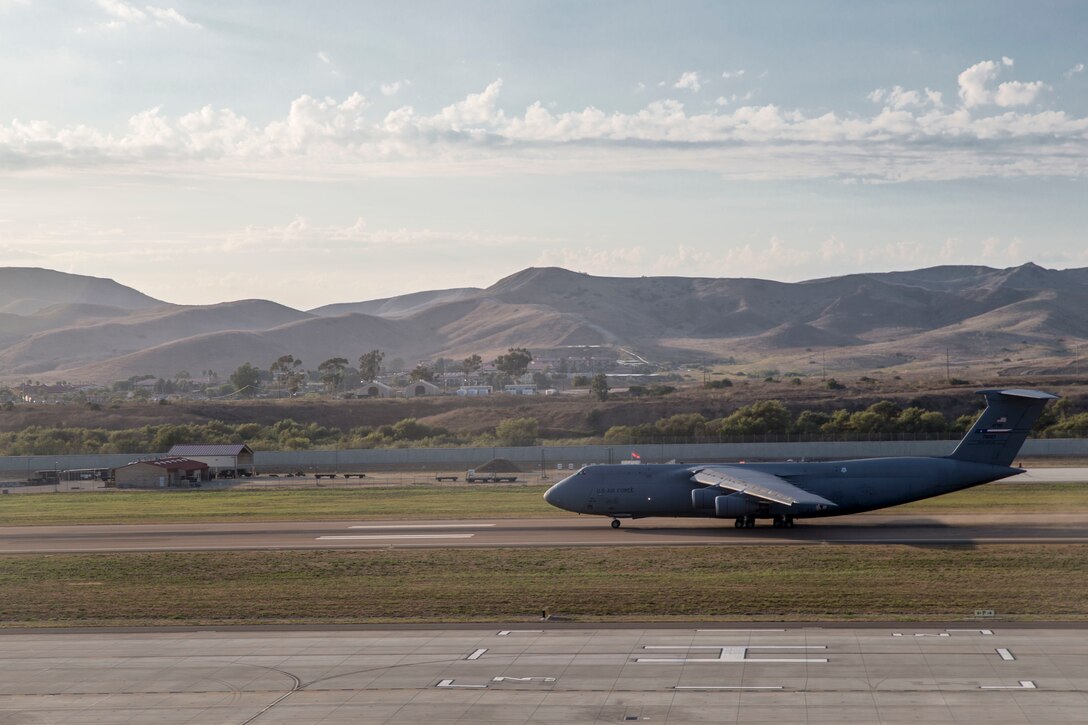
(567, 530)
(536, 673)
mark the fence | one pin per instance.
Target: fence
(536, 458)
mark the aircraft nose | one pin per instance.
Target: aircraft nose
(556, 496)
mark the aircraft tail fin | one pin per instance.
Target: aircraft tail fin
(997, 435)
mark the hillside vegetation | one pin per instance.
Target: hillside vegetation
(692, 415)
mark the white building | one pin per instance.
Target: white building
(474, 391)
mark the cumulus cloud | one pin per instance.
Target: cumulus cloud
(1078, 68)
(912, 137)
(975, 86)
(733, 74)
(689, 81)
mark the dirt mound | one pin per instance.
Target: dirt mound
(498, 465)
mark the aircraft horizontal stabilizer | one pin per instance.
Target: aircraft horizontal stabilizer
(758, 484)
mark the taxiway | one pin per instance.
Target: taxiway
(519, 674)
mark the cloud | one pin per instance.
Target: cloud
(689, 81)
(392, 89)
(912, 137)
(975, 86)
(1078, 68)
(733, 74)
(303, 235)
(324, 57)
(897, 98)
(124, 13)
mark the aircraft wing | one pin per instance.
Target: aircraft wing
(760, 485)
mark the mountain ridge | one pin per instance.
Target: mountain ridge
(89, 329)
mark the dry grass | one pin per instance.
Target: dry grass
(600, 584)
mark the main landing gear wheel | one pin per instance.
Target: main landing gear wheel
(615, 523)
(749, 522)
(739, 523)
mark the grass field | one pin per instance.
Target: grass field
(427, 502)
(817, 582)
(600, 584)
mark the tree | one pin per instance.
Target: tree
(332, 372)
(518, 431)
(471, 364)
(246, 379)
(422, 372)
(286, 372)
(370, 364)
(599, 386)
(515, 362)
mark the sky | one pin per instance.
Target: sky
(311, 153)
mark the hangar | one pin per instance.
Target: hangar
(374, 389)
(224, 461)
(419, 388)
(161, 473)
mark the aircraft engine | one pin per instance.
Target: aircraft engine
(703, 498)
(734, 505)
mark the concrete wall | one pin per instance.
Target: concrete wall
(530, 458)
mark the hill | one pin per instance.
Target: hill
(1018, 320)
(26, 290)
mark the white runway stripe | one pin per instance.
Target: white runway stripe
(422, 526)
(396, 536)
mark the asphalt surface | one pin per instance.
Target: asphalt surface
(568, 530)
(533, 673)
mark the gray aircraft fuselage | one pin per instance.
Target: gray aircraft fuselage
(636, 491)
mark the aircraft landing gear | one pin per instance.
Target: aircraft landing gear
(615, 523)
(739, 523)
(749, 522)
(783, 522)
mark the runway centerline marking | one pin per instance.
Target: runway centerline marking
(449, 683)
(1024, 685)
(476, 655)
(422, 526)
(727, 687)
(354, 537)
(727, 654)
(1005, 654)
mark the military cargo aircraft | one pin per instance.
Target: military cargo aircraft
(784, 492)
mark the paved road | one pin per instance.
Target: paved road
(532, 673)
(558, 531)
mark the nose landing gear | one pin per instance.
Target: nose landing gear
(615, 523)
